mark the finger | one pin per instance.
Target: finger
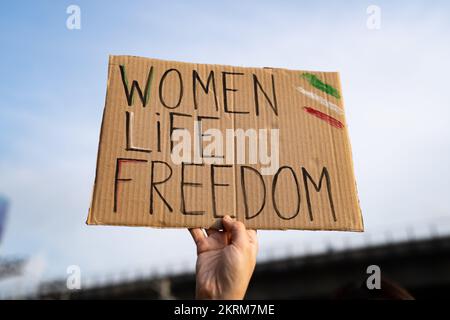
(237, 231)
(253, 231)
(197, 234)
(252, 234)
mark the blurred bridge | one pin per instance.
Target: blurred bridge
(422, 266)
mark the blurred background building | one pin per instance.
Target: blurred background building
(9, 266)
(421, 266)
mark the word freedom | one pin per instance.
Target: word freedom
(285, 175)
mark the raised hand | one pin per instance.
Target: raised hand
(225, 260)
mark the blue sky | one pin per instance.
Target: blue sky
(53, 87)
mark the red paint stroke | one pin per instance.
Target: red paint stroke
(323, 116)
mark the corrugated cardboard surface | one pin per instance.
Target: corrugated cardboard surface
(315, 188)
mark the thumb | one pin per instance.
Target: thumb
(237, 230)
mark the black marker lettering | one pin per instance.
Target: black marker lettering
(211, 79)
(129, 134)
(171, 126)
(201, 135)
(158, 135)
(274, 186)
(154, 183)
(306, 177)
(161, 89)
(273, 102)
(213, 189)
(135, 85)
(191, 184)
(117, 178)
(225, 89)
(244, 191)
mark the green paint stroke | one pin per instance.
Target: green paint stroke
(148, 85)
(322, 86)
(130, 92)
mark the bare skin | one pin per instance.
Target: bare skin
(225, 260)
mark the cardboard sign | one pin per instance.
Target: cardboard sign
(184, 144)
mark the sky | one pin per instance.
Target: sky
(395, 88)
